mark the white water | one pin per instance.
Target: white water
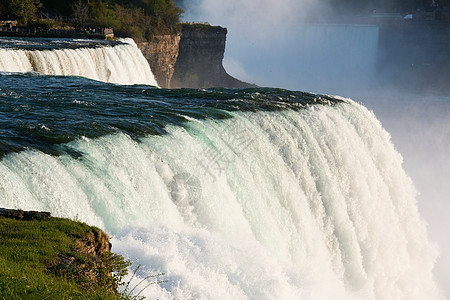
(121, 64)
(269, 205)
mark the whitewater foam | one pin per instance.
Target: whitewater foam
(121, 64)
(309, 204)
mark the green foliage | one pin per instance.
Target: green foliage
(133, 22)
(128, 290)
(140, 19)
(102, 15)
(39, 260)
(119, 268)
(24, 10)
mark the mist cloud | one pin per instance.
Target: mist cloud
(281, 44)
(264, 13)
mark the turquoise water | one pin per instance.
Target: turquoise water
(42, 112)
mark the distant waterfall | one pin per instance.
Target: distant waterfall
(313, 57)
(121, 64)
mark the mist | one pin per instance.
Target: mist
(297, 47)
(420, 130)
(301, 45)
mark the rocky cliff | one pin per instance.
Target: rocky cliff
(192, 59)
(162, 53)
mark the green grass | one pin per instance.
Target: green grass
(31, 264)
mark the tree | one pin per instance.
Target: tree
(80, 11)
(24, 10)
(102, 15)
(4, 12)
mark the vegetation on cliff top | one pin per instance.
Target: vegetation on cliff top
(140, 19)
(53, 258)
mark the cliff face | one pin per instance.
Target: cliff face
(162, 53)
(193, 60)
(199, 63)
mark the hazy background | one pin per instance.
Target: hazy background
(269, 44)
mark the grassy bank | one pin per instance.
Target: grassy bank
(53, 258)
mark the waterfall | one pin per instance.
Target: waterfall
(121, 64)
(288, 204)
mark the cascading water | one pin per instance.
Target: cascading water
(297, 45)
(121, 63)
(234, 194)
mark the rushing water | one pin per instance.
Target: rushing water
(116, 62)
(233, 194)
